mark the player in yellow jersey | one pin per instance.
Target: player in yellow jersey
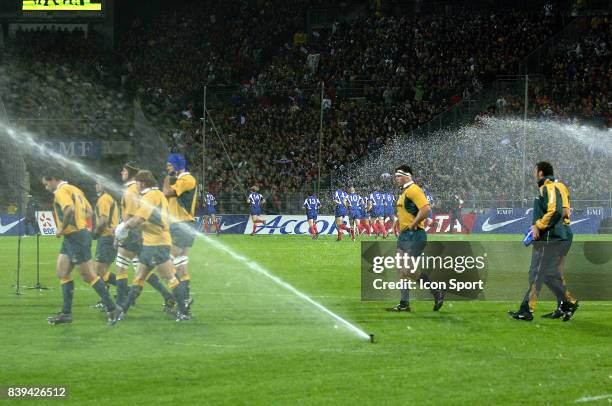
(131, 246)
(71, 211)
(180, 188)
(106, 218)
(412, 210)
(152, 216)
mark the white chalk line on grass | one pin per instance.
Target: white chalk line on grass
(241, 294)
(262, 271)
(211, 293)
(587, 399)
(198, 343)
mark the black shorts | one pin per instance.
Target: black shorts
(105, 250)
(153, 255)
(77, 246)
(133, 242)
(183, 234)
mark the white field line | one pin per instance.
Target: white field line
(587, 399)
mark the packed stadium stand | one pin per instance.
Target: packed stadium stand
(382, 74)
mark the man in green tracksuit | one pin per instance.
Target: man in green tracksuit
(549, 234)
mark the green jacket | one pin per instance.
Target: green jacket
(548, 211)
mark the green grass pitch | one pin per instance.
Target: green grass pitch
(251, 341)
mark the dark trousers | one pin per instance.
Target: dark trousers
(544, 269)
(456, 215)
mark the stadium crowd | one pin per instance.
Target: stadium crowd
(271, 121)
(59, 81)
(576, 82)
(579, 77)
(216, 42)
(382, 76)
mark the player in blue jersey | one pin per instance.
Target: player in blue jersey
(365, 215)
(429, 220)
(312, 205)
(377, 209)
(354, 202)
(340, 211)
(390, 211)
(211, 213)
(256, 199)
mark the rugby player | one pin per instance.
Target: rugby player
(390, 211)
(211, 213)
(71, 211)
(354, 202)
(312, 205)
(377, 208)
(340, 211)
(153, 217)
(106, 218)
(365, 215)
(130, 247)
(412, 210)
(256, 199)
(180, 188)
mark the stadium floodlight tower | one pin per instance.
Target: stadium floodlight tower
(204, 140)
(523, 157)
(320, 138)
(523, 169)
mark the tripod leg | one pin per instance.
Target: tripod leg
(37, 259)
(17, 286)
(37, 285)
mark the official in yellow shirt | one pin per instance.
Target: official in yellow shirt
(564, 248)
(71, 211)
(550, 235)
(106, 218)
(181, 190)
(153, 217)
(412, 210)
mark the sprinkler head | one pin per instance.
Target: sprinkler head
(372, 338)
